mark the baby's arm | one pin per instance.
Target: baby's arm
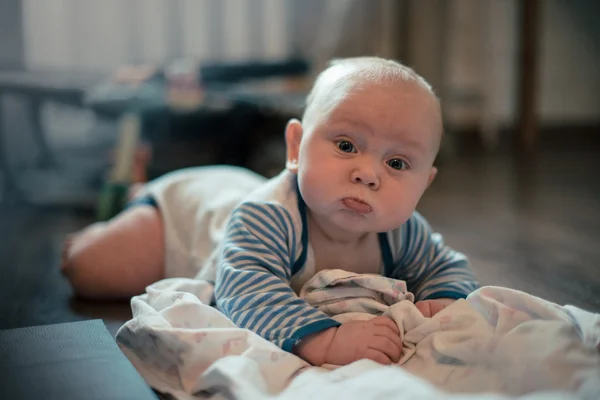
(431, 269)
(253, 277)
(253, 290)
(377, 339)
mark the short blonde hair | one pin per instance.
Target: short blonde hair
(367, 69)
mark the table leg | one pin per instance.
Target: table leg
(527, 132)
(9, 183)
(46, 157)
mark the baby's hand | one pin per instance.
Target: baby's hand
(377, 339)
(431, 307)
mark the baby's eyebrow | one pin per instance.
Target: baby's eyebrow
(362, 127)
(405, 143)
(354, 123)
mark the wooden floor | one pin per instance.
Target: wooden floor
(532, 226)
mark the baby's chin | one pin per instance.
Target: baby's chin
(369, 223)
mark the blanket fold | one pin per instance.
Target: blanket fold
(498, 343)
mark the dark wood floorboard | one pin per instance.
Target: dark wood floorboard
(532, 226)
(32, 289)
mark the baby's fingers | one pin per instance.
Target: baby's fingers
(424, 307)
(386, 321)
(378, 357)
(387, 345)
(395, 338)
(436, 307)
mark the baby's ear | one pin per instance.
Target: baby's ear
(432, 175)
(293, 137)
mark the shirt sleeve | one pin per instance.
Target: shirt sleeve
(252, 285)
(431, 269)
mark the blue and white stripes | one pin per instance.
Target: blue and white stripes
(266, 245)
(253, 279)
(431, 269)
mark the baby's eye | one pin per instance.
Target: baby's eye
(346, 146)
(397, 163)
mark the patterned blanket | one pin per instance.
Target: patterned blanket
(497, 344)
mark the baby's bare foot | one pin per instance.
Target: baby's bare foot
(66, 250)
(76, 241)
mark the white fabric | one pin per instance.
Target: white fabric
(195, 205)
(497, 341)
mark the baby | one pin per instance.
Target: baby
(357, 165)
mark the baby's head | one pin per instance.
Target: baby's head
(365, 148)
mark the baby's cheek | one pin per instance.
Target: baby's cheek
(314, 189)
(409, 200)
(394, 215)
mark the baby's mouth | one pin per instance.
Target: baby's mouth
(357, 205)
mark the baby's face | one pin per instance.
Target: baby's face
(364, 165)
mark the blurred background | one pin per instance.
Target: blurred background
(95, 95)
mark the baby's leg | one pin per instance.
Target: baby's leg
(119, 258)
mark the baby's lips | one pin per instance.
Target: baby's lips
(357, 205)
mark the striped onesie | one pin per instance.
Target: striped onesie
(266, 257)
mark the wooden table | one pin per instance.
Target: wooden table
(38, 88)
(274, 96)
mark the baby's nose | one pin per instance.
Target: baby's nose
(366, 177)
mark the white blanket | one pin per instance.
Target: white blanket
(497, 344)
